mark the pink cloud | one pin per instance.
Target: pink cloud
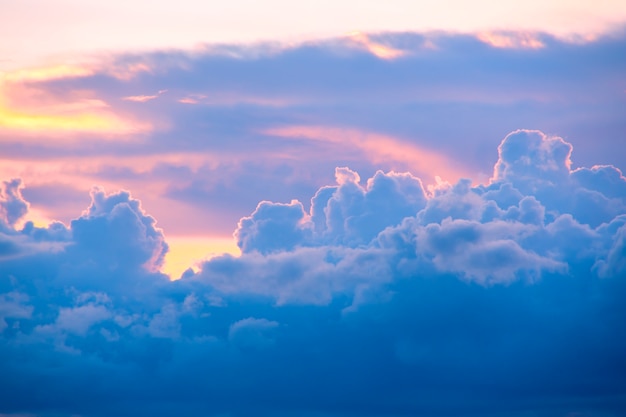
(143, 98)
(375, 48)
(513, 40)
(378, 149)
(139, 99)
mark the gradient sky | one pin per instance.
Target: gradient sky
(36, 30)
(312, 209)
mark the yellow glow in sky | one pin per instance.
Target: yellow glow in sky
(186, 252)
(76, 123)
(46, 73)
(27, 107)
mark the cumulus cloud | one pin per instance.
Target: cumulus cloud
(383, 297)
(115, 231)
(348, 214)
(113, 246)
(541, 166)
(272, 227)
(536, 216)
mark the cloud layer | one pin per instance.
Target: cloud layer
(190, 129)
(384, 298)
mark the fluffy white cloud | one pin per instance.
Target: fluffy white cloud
(347, 214)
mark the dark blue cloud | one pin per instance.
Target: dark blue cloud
(381, 299)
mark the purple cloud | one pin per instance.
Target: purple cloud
(12, 204)
(198, 155)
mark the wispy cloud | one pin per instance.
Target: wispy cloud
(143, 98)
(379, 149)
(518, 40)
(336, 102)
(375, 48)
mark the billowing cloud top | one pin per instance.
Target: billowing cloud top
(384, 298)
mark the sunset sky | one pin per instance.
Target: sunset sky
(292, 208)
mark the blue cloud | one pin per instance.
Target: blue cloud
(252, 333)
(272, 227)
(115, 233)
(383, 298)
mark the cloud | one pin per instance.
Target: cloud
(526, 224)
(12, 204)
(13, 305)
(347, 214)
(76, 320)
(487, 254)
(272, 227)
(113, 246)
(511, 40)
(116, 233)
(144, 98)
(615, 264)
(375, 147)
(375, 48)
(140, 99)
(530, 156)
(251, 333)
(377, 294)
(540, 165)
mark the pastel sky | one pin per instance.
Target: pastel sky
(312, 208)
(33, 30)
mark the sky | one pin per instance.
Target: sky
(329, 209)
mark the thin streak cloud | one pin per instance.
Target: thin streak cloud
(378, 149)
